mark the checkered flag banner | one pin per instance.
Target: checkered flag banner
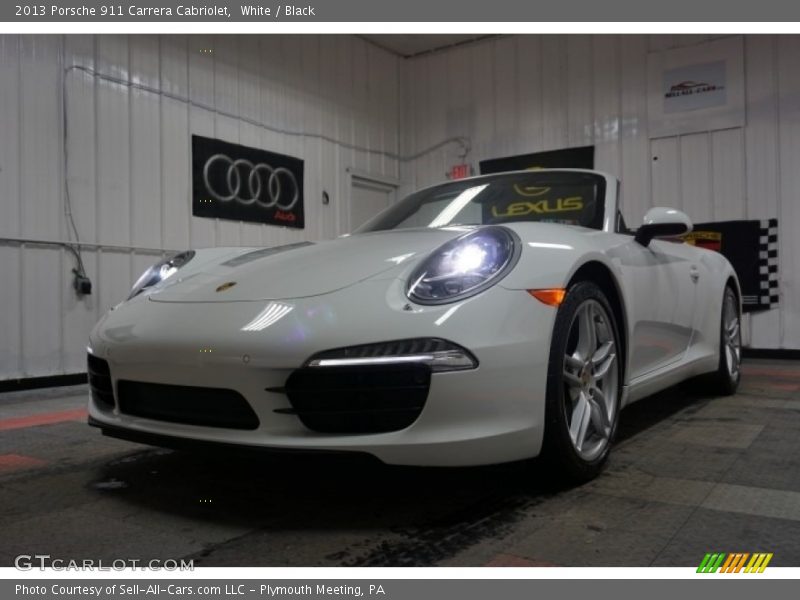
(767, 265)
(752, 249)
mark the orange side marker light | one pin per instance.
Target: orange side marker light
(551, 297)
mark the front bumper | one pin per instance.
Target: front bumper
(491, 414)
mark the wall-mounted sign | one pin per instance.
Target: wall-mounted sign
(752, 249)
(568, 158)
(230, 181)
(696, 88)
(459, 171)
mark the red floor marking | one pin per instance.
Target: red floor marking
(511, 560)
(16, 462)
(788, 387)
(761, 372)
(77, 414)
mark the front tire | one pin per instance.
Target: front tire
(725, 380)
(584, 385)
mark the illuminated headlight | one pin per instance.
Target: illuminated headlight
(465, 266)
(439, 355)
(160, 271)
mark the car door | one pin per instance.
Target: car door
(660, 281)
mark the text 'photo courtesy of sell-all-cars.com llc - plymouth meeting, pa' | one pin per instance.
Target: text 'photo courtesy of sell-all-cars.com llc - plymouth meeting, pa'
(471, 323)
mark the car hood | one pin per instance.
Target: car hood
(303, 270)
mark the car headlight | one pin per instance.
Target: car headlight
(160, 271)
(464, 266)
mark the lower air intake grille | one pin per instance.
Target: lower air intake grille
(372, 399)
(209, 407)
(100, 382)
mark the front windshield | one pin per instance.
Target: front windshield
(567, 197)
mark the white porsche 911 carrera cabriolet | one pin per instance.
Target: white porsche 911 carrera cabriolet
(478, 321)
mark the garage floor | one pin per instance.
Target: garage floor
(689, 474)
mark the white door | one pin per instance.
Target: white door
(663, 294)
(368, 197)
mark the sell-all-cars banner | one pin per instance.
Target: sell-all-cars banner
(230, 181)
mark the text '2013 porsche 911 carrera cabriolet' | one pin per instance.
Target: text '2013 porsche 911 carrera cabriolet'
(479, 321)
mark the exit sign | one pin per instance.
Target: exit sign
(460, 171)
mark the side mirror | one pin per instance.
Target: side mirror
(662, 222)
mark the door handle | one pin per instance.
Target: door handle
(694, 273)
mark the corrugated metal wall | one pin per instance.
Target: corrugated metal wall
(128, 149)
(523, 94)
(129, 159)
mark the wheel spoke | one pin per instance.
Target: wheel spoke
(572, 379)
(602, 352)
(573, 362)
(733, 329)
(579, 425)
(733, 356)
(603, 359)
(599, 411)
(588, 335)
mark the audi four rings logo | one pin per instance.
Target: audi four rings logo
(242, 183)
(246, 182)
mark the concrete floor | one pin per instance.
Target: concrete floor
(689, 474)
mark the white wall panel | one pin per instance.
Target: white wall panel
(131, 108)
(41, 311)
(145, 153)
(175, 143)
(554, 92)
(10, 204)
(506, 98)
(11, 300)
(579, 99)
(761, 152)
(530, 94)
(606, 96)
(571, 90)
(665, 165)
(696, 177)
(789, 206)
(635, 151)
(40, 125)
(728, 167)
(113, 142)
(10, 130)
(479, 70)
(79, 87)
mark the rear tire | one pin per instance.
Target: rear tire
(725, 380)
(584, 386)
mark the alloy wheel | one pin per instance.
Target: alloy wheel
(591, 380)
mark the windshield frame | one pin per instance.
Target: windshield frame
(606, 196)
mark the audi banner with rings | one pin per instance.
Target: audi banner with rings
(235, 182)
